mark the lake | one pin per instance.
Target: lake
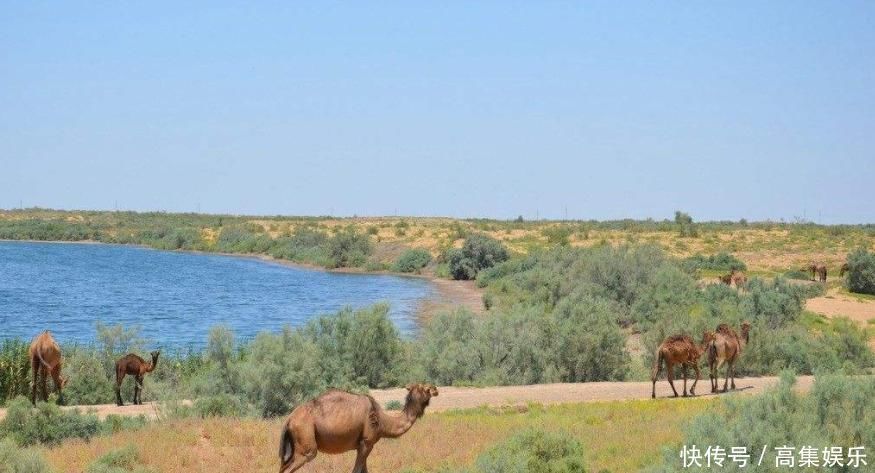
(176, 297)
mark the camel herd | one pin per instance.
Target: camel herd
(724, 347)
(45, 360)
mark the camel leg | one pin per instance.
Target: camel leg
(732, 370)
(669, 373)
(726, 379)
(119, 377)
(138, 389)
(56, 378)
(684, 371)
(654, 374)
(34, 367)
(361, 458)
(44, 381)
(693, 388)
(298, 460)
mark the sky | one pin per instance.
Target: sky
(586, 110)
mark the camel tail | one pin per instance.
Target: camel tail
(287, 445)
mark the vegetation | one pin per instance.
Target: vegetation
(226, 445)
(839, 412)
(122, 460)
(533, 451)
(15, 459)
(479, 252)
(412, 260)
(861, 272)
(718, 262)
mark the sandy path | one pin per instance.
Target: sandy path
(466, 398)
(835, 304)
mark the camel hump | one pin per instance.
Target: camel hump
(678, 338)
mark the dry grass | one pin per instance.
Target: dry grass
(617, 436)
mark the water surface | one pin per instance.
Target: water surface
(176, 297)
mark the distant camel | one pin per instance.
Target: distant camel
(338, 421)
(821, 272)
(816, 269)
(844, 269)
(45, 361)
(137, 367)
(735, 277)
(679, 349)
(726, 348)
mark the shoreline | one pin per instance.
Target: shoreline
(449, 294)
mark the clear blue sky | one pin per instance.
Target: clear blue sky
(738, 109)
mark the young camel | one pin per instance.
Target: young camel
(726, 348)
(45, 361)
(338, 421)
(844, 269)
(137, 367)
(679, 349)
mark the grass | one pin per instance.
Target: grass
(617, 437)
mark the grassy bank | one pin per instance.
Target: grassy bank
(451, 439)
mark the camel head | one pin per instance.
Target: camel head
(708, 336)
(155, 356)
(418, 397)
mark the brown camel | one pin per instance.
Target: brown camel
(726, 347)
(735, 277)
(137, 367)
(45, 361)
(844, 269)
(679, 349)
(821, 272)
(338, 421)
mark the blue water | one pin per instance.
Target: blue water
(176, 297)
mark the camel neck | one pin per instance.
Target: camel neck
(393, 426)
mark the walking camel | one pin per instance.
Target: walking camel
(338, 421)
(679, 349)
(725, 348)
(137, 367)
(816, 269)
(45, 361)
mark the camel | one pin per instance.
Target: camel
(726, 347)
(816, 269)
(338, 421)
(45, 361)
(735, 277)
(679, 349)
(137, 367)
(821, 272)
(844, 269)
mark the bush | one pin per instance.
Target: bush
(479, 252)
(861, 272)
(122, 460)
(222, 405)
(412, 260)
(838, 412)
(14, 370)
(720, 262)
(45, 424)
(533, 451)
(348, 248)
(557, 235)
(14, 459)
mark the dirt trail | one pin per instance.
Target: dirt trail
(835, 304)
(499, 396)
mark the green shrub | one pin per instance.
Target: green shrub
(222, 405)
(719, 262)
(686, 227)
(394, 405)
(46, 424)
(533, 451)
(557, 235)
(412, 260)
(861, 272)
(348, 248)
(479, 252)
(838, 412)
(14, 369)
(14, 459)
(122, 460)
